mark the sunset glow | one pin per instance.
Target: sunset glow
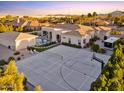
(37, 8)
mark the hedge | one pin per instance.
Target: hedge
(71, 45)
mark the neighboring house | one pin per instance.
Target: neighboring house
(32, 25)
(16, 23)
(17, 40)
(109, 43)
(27, 25)
(103, 32)
(100, 22)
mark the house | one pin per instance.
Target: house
(109, 43)
(66, 26)
(52, 34)
(79, 37)
(32, 26)
(103, 32)
(17, 40)
(73, 33)
(100, 22)
(27, 25)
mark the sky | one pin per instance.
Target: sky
(37, 8)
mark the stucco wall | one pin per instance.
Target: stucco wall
(21, 44)
(74, 39)
(53, 31)
(6, 42)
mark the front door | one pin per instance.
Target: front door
(58, 38)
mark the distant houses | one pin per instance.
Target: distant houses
(27, 25)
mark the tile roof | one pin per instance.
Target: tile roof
(66, 26)
(73, 33)
(24, 23)
(12, 36)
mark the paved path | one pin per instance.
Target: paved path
(62, 68)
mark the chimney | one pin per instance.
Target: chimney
(18, 20)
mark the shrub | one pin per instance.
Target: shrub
(48, 44)
(30, 48)
(115, 33)
(17, 53)
(11, 58)
(40, 49)
(2, 62)
(95, 47)
(18, 58)
(71, 45)
(34, 33)
(102, 50)
(38, 88)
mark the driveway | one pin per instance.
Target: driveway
(62, 68)
(5, 53)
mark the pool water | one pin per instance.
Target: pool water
(41, 41)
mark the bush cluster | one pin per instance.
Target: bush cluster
(115, 33)
(17, 53)
(96, 48)
(112, 77)
(71, 45)
(2, 62)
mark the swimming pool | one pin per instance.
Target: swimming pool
(41, 41)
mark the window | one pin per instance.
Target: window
(69, 40)
(84, 41)
(79, 42)
(45, 33)
(50, 35)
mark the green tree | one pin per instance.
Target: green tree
(19, 82)
(109, 16)
(11, 68)
(19, 29)
(5, 28)
(89, 15)
(11, 79)
(10, 28)
(113, 72)
(9, 17)
(94, 14)
(95, 47)
(38, 88)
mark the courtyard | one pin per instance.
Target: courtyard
(62, 68)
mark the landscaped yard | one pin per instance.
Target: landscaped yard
(40, 48)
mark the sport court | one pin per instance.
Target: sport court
(62, 69)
